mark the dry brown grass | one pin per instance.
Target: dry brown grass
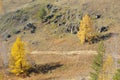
(73, 66)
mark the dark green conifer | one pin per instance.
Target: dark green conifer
(98, 62)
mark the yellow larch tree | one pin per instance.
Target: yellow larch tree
(108, 69)
(85, 29)
(18, 58)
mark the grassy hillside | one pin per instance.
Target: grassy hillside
(53, 34)
(52, 25)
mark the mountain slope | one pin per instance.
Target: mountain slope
(52, 35)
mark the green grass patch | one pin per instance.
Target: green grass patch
(41, 13)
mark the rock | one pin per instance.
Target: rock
(48, 17)
(61, 23)
(29, 26)
(54, 9)
(59, 16)
(68, 19)
(98, 16)
(32, 31)
(49, 6)
(72, 28)
(8, 36)
(55, 21)
(103, 29)
(24, 19)
(17, 11)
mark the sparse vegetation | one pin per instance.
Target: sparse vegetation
(41, 13)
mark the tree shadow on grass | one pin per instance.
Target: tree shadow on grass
(44, 68)
(99, 38)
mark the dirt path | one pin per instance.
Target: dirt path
(65, 52)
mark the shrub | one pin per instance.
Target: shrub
(41, 13)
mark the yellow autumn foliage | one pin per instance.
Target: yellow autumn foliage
(108, 69)
(18, 61)
(85, 29)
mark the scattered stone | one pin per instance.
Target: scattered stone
(8, 36)
(49, 6)
(55, 21)
(24, 19)
(103, 29)
(32, 31)
(61, 23)
(72, 28)
(29, 26)
(59, 16)
(98, 16)
(49, 16)
(18, 11)
(54, 9)
(64, 18)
